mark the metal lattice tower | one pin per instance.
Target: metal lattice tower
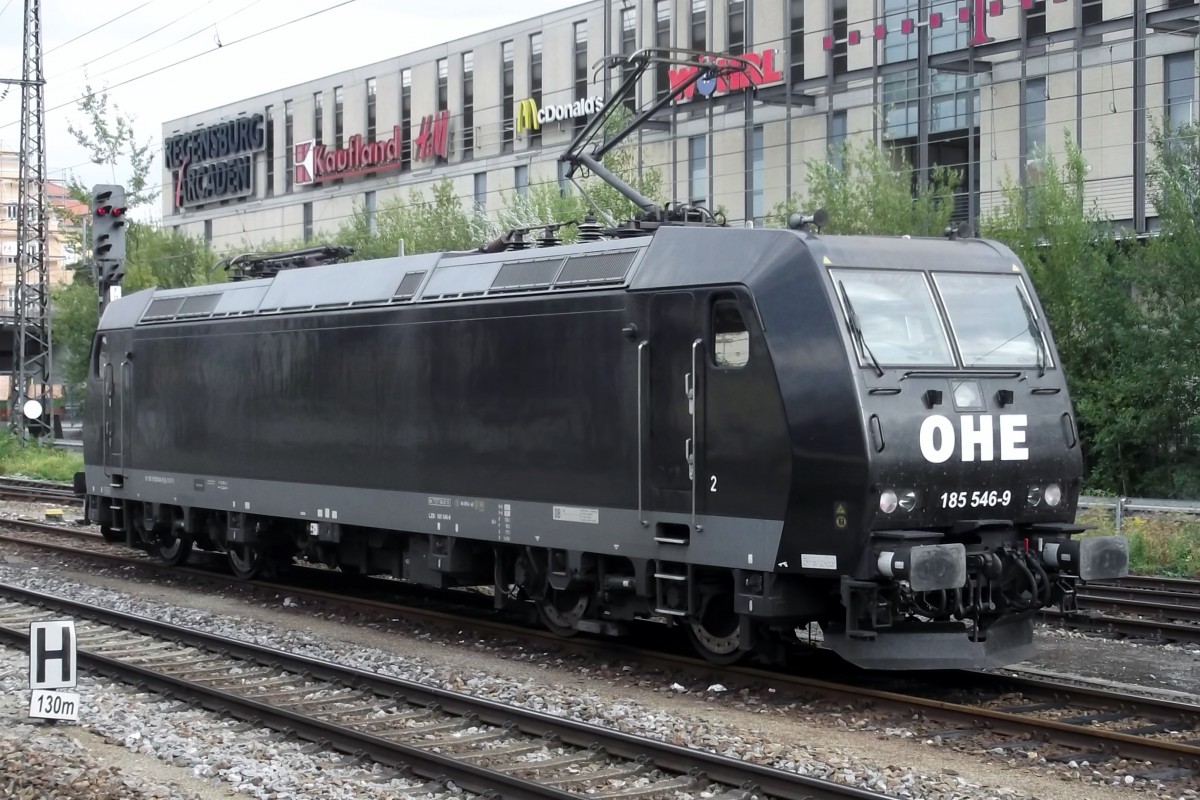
(31, 328)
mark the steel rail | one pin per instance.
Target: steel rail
(1153, 606)
(1156, 629)
(662, 755)
(1154, 583)
(37, 491)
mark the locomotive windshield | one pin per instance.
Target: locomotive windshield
(990, 317)
(895, 320)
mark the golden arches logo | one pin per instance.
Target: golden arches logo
(527, 115)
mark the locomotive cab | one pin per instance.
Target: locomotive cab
(972, 460)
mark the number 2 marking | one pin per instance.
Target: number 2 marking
(713, 488)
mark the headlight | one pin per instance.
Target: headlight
(888, 501)
(968, 396)
(1053, 495)
(908, 500)
(1034, 496)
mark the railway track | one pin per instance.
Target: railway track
(37, 491)
(441, 736)
(987, 711)
(1142, 607)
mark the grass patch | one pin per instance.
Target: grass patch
(42, 461)
(1159, 544)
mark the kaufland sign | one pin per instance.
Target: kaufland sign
(316, 162)
(760, 71)
(529, 116)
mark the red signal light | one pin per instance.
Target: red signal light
(116, 212)
(102, 210)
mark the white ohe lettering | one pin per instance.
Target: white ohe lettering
(975, 439)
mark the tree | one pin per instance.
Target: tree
(1162, 445)
(425, 226)
(871, 192)
(108, 137)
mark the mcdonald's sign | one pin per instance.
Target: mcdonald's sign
(530, 117)
(527, 115)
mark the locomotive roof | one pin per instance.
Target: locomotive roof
(673, 256)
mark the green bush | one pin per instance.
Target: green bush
(1159, 544)
(41, 461)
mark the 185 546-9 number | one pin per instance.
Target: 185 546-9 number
(978, 499)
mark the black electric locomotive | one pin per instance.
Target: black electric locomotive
(740, 432)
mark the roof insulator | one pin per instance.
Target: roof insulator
(590, 230)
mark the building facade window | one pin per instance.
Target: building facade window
(269, 189)
(736, 27)
(339, 104)
(443, 84)
(372, 90)
(947, 37)
(405, 118)
(289, 142)
(841, 59)
(508, 86)
(1092, 11)
(208, 232)
(14, 211)
(796, 40)
(581, 68)
(535, 82)
(308, 222)
(837, 138)
(318, 116)
(757, 174)
(697, 169)
(628, 47)
(662, 38)
(1034, 19)
(698, 25)
(468, 114)
(1033, 134)
(951, 92)
(521, 180)
(369, 211)
(480, 191)
(1179, 70)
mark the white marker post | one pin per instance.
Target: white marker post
(53, 665)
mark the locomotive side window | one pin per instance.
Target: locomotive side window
(100, 353)
(896, 320)
(731, 340)
(992, 319)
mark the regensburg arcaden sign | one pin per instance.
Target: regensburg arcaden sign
(217, 162)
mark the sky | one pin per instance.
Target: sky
(153, 35)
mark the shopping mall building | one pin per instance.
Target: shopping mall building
(1006, 80)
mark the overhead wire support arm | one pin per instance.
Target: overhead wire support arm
(705, 65)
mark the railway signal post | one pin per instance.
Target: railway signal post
(108, 240)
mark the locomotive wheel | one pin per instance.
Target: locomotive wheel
(246, 561)
(717, 636)
(560, 610)
(174, 548)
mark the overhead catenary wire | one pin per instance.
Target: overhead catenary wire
(223, 46)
